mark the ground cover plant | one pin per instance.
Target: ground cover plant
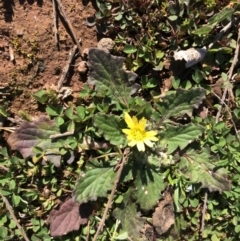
(149, 149)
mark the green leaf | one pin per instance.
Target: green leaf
(129, 49)
(122, 236)
(54, 111)
(107, 73)
(213, 21)
(95, 183)
(180, 103)
(111, 127)
(173, 17)
(180, 136)
(148, 83)
(175, 82)
(3, 111)
(81, 112)
(130, 221)
(199, 168)
(149, 185)
(41, 96)
(215, 237)
(204, 30)
(118, 17)
(197, 76)
(3, 232)
(219, 17)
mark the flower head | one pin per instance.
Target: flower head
(136, 134)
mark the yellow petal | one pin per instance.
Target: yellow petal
(152, 138)
(135, 121)
(132, 143)
(148, 143)
(126, 131)
(128, 120)
(142, 123)
(151, 133)
(140, 146)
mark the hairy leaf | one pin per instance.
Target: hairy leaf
(219, 17)
(130, 220)
(107, 73)
(181, 102)
(110, 126)
(204, 30)
(69, 217)
(199, 167)
(149, 185)
(213, 21)
(180, 136)
(95, 183)
(33, 134)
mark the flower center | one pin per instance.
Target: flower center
(138, 134)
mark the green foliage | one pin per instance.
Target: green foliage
(95, 183)
(180, 103)
(180, 136)
(107, 73)
(82, 148)
(149, 186)
(110, 126)
(226, 13)
(130, 220)
(197, 167)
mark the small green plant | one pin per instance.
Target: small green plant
(128, 162)
(139, 149)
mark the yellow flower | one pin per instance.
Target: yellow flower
(136, 134)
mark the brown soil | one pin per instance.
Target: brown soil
(27, 28)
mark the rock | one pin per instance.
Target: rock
(64, 93)
(19, 32)
(85, 53)
(106, 44)
(82, 67)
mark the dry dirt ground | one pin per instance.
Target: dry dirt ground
(27, 33)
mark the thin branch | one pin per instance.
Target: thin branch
(230, 74)
(66, 68)
(203, 212)
(10, 209)
(230, 114)
(68, 133)
(55, 22)
(10, 129)
(63, 13)
(109, 203)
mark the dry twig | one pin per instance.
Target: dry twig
(68, 133)
(109, 203)
(230, 74)
(9, 208)
(204, 211)
(55, 21)
(63, 13)
(224, 30)
(230, 114)
(66, 68)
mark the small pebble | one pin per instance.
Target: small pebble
(82, 67)
(106, 44)
(85, 53)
